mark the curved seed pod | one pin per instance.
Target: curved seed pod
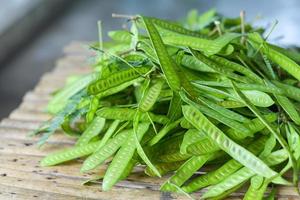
(99, 156)
(172, 27)
(237, 67)
(227, 50)
(228, 192)
(185, 124)
(146, 47)
(164, 168)
(243, 175)
(92, 130)
(168, 66)
(195, 64)
(92, 110)
(69, 154)
(294, 143)
(226, 144)
(221, 118)
(223, 111)
(128, 169)
(119, 88)
(283, 61)
(216, 115)
(190, 137)
(174, 111)
(288, 90)
(291, 53)
(128, 114)
(256, 190)
(279, 88)
(216, 67)
(204, 146)
(150, 96)
(213, 91)
(224, 171)
(213, 177)
(68, 130)
(258, 98)
(110, 131)
(116, 79)
(59, 101)
(289, 108)
(255, 125)
(173, 157)
(139, 147)
(269, 126)
(209, 47)
(122, 158)
(185, 172)
(231, 104)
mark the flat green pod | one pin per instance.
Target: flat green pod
(208, 47)
(283, 61)
(104, 152)
(163, 168)
(103, 86)
(241, 176)
(185, 172)
(190, 136)
(168, 66)
(128, 114)
(69, 154)
(122, 158)
(226, 144)
(92, 130)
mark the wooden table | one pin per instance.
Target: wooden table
(22, 178)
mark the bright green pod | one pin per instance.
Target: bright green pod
(122, 158)
(231, 166)
(226, 144)
(283, 61)
(173, 157)
(168, 66)
(191, 136)
(185, 172)
(257, 188)
(102, 86)
(209, 47)
(128, 114)
(92, 130)
(103, 153)
(69, 154)
(150, 96)
(163, 168)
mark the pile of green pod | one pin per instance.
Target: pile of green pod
(176, 97)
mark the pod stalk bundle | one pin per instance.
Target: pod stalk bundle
(178, 97)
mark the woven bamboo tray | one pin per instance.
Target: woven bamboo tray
(21, 177)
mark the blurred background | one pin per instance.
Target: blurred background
(33, 32)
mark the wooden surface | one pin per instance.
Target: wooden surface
(21, 177)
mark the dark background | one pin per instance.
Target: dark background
(33, 32)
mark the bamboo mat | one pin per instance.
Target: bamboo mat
(22, 178)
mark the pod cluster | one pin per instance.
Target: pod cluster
(208, 92)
